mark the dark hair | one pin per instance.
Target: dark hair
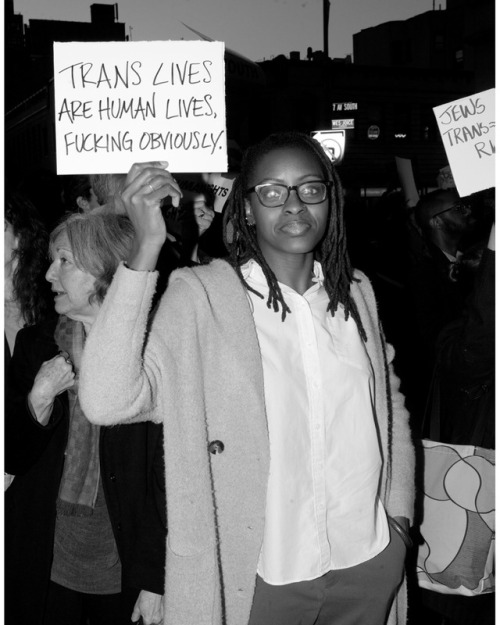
(75, 186)
(98, 241)
(241, 239)
(30, 289)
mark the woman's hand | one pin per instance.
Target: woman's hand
(149, 606)
(147, 184)
(53, 378)
(203, 214)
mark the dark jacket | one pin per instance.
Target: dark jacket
(132, 473)
(465, 370)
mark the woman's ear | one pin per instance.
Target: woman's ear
(82, 204)
(249, 214)
(436, 222)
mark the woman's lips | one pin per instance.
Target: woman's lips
(296, 228)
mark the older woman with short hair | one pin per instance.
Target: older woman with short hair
(84, 531)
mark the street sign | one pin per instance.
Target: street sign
(333, 142)
(344, 106)
(343, 124)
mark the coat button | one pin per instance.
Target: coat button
(112, 477)
(216, 447)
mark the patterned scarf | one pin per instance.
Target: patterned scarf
(80, 479)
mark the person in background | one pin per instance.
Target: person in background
(289, 462)
(27, 298)
(444, 220)
(85, 515)
(106, 187)
(78, 194)
(437, 233)
(463, 404)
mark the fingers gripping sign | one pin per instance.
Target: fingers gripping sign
(203, 214)
(53, 378)
(147, 184)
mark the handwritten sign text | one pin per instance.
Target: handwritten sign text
(121, 102)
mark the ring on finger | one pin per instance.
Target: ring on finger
(151, 187)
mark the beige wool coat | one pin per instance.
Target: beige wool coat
(197, 369)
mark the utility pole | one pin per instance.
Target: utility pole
(326, 17)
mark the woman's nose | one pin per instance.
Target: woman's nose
(49, 276)
(294, 204)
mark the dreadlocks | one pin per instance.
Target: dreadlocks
(241, 238)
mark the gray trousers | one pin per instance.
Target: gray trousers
(359, 595)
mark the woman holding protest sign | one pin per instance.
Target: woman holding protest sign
(289, 465)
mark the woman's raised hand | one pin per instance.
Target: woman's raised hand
(147, 184)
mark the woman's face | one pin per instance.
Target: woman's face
(72, 286)
(10, 243)
(295, 227)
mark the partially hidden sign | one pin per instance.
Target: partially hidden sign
(467, 127)
(117, 103)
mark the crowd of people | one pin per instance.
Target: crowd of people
(224, 434)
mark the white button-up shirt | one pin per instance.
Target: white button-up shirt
(323, 511)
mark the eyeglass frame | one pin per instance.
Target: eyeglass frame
(328, 184)
(454, 207)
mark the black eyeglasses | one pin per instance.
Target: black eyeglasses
(273, 195)
(461, 207)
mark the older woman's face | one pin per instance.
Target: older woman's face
(72, 286)
(10, 242)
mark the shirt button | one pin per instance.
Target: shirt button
(112, 477)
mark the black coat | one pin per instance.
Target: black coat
(132, 472)
(465, 370)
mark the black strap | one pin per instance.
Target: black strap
(432, 412)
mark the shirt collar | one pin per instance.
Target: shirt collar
(253, 271)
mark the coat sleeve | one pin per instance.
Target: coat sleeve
(401, 499)
(131, 361)
(116, 385)
(25, 438)
(398, 480)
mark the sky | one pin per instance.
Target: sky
(257, 29)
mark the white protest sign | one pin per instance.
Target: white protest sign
(117, 103)
(467, 127)
(221, 185)
(215, 186)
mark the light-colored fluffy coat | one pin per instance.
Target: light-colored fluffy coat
(200, 373)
